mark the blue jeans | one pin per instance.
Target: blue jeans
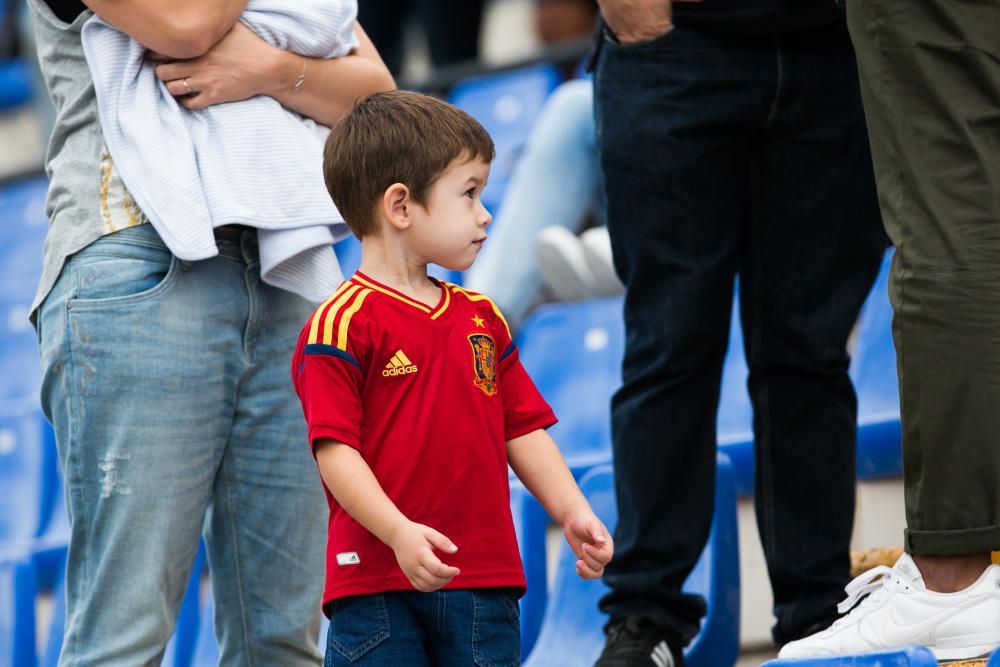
(557, 181)
(169, 387)
(446, 628)
(730, 155)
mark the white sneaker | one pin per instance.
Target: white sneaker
(563, 266)
(597, 249)
(900, 611)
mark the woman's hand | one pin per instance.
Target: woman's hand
(238, 67)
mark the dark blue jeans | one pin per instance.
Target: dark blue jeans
(448, 628)
(730, 156)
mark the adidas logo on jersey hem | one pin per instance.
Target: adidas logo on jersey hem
(399, 364)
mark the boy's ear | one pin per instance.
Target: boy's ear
(396, 204)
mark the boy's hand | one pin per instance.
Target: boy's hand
(590, 541)
(414, 546)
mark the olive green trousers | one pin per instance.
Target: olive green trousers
(930, 78)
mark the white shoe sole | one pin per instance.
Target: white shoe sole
(969, 647)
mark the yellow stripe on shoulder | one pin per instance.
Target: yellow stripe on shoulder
(476, 296)
(323, 333)
(345, 321)
(317, 316)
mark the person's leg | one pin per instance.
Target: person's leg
(383, 22)
(478, 626)
(379, 630)
(452, 28)
(554, 183)
(930, 76)
(266, 531)
(133, 376)
(671, 117)
(815, 245)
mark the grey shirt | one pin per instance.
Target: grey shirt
(86, 199)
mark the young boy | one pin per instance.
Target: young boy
(416, 402)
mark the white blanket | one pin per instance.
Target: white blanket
(251, 162)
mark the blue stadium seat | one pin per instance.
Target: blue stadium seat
(348, 253)
(874, 373)
(912, 656)
(15, 83)
(571, 632)
(22, 466)
(507, 104)
(573, 352)
(17, 609)
(530, 521)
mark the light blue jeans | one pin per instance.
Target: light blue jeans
(169, 387)
(557, 181)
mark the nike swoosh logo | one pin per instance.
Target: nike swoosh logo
(899, 634)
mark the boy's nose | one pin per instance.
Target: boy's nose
(484, 217)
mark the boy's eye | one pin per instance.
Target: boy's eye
(470, 193)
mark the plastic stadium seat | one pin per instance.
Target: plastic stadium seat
(874, 374)
(17, 610)
(573, 352)
(507, 104)
(22, 457)
(905, 657)
(15, 83)
(572, 633)
(530, 521)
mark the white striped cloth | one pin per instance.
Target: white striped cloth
(250, 163)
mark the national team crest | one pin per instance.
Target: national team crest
(484, 362)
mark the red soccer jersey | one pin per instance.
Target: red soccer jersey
(429, 397)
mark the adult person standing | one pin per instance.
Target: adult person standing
(930, 75)
(166, 380)
(732, 141)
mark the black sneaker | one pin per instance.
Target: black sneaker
(641, 641)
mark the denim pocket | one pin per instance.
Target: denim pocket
(359, 624)
(126, 267)
(496, 628)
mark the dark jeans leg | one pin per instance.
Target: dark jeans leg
(452, 28)
(931, 83)
(815, 244)
(383, 21)
(672, 118)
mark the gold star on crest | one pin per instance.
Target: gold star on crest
(478, 321)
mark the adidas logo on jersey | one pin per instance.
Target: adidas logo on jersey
(399, 365)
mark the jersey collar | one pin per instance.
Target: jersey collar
(433, 313)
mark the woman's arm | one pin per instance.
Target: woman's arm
(177, 29)
(242, 65)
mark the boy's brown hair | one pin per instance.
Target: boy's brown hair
(395, 137)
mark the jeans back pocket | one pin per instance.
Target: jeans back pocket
(359, 624)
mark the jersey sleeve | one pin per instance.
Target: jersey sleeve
(328, 373)
(524, 409)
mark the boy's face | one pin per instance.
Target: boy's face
(450, 229)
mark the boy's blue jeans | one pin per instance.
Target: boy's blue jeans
(447, 628)
(169, 387)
